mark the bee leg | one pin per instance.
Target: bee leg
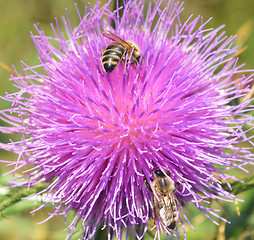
(101, 70)
(147, 185)
(154, 215)
(168, 173)
(176, 186)
(149, 188)
(181, 201)
(123, 62)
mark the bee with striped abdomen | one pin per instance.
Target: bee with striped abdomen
(117, 51)
(164, 200)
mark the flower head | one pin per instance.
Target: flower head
(97, 137)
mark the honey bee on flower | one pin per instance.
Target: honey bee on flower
(118, 51)
(165, 203)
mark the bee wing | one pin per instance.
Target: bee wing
(169, 202)
(116, 38)
(170, 211)
(174, 206)
(163, 209)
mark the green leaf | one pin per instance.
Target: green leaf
(238, 187)
(17, 194)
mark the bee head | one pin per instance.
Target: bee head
(136, 51)
(138, 58)
(158, 173)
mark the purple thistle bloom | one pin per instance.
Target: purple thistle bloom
(95, 136)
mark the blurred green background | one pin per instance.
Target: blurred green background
(16, 21)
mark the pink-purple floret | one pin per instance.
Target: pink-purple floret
(95, 137)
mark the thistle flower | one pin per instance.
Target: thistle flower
(95, 137)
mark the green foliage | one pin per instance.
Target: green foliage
(15, 195)
(239, 187)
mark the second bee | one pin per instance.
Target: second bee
(118, 51)
(165, 203)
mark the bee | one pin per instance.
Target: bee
(117, 51)
(164, 201)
